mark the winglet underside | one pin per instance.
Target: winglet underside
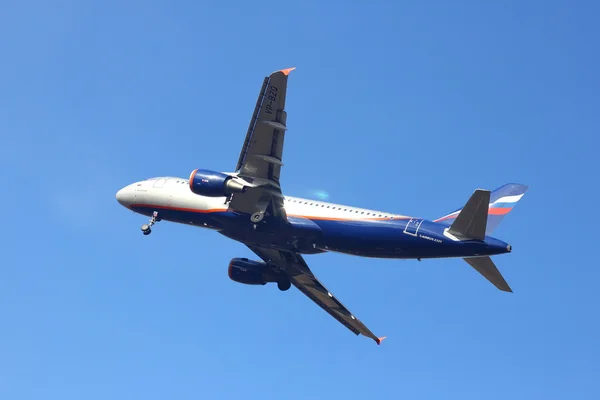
(287, 70)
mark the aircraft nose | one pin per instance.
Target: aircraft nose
(125, 196)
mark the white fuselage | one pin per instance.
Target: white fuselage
(174, 193)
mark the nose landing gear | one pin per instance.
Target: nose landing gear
(147, 228)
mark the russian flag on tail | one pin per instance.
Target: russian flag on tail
(502, 201)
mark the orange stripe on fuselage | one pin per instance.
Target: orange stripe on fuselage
(215, 210)
(346, 219)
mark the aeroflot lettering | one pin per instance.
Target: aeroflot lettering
(430, 238)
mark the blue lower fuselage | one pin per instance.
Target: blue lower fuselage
(396, 238)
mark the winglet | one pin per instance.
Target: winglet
(379, 340)
(287, 70)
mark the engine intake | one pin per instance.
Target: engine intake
(214, 184)
(250, 272)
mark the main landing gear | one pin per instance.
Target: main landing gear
(284, 285)
(257, 217)
(147, 228)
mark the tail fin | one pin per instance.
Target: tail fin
(502, 201)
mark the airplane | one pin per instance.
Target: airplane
(248, 205)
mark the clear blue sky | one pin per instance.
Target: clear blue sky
(401, 106)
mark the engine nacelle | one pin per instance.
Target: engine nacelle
(214, 184)
(250, 272)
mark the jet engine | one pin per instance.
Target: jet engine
(251, 272)
(248, 272)
(214, 184)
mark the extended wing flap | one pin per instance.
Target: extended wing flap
(260, 199)
(308, 284)
(331, 307)
(303, 279)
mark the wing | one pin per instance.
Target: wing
(262, 151)
(260, 159)
(301, 277)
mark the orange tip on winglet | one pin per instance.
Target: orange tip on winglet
(379, 340)
(287, 70)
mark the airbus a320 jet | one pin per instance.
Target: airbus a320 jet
(248, 205)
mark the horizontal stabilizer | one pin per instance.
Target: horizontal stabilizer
(472, 219)
(486, 267)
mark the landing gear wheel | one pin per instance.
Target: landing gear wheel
(284, 285)
(257, 217)
(146, 228)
